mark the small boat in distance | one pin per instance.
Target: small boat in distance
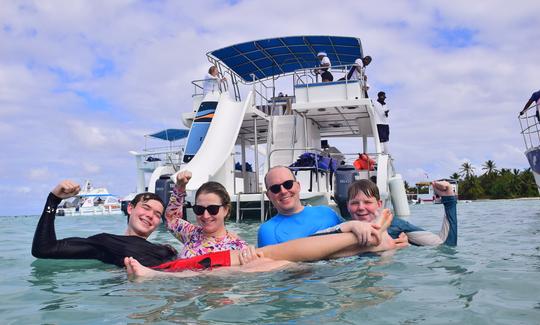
(530, 129)
(90, 201)
(430, 196)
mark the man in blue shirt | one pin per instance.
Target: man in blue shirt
(534, 98)
(293, 219)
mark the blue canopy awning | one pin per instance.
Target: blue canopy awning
(274, 56)
(170, 134)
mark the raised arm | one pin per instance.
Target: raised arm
(45, 244)
(529, 102)
(449, 229)
(180, 228)
(448, 233)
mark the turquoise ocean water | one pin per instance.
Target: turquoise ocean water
(491, 277)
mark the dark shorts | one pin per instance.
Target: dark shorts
(327, 76)
(384, 132)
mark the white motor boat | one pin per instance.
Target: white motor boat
(244, 126)
(90, 201)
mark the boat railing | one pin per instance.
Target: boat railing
(261, 94)
(316, 169)
(265, 100)
(198, 87)
(307, 86)
(530, 127)
(151, 158)
(350, 158)
(309, 76)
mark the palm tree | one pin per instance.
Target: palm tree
(455, 176)
(466, 169)
(489, 167)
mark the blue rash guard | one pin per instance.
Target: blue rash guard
(282, 228)
(420, 237)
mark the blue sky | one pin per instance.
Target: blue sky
(81, 82)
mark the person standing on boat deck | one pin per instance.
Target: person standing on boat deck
(364, 201)
(326, 75)
(534, 98)
(212, 207)
(381, 111)
(144, 215)
(212, 81)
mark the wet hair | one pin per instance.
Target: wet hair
(365, 186)
(276, 167)
(145, 197)
(219, 190)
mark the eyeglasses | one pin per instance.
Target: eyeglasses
(212, 209)
(276, 188)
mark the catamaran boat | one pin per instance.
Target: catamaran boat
(240, 128)
(90, 201)
(530, 129)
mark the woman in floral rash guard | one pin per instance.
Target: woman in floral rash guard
(212, 207)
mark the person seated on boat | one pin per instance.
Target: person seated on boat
(212, 207)
(212, 81)
(364, 162)
(382, 123)
(293, 219)
(272, 257)
(534, 98)
(326, 75)
(144, 215)
(364, 201)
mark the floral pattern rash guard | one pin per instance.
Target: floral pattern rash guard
(192, 236)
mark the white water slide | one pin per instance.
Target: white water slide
(218, 143)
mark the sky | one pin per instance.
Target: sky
(81, 82)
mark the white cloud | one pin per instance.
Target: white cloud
(23, 189)
(448, 103)
(91, 168)
(38, 174)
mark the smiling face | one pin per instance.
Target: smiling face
(363, 207)
(144, 218)
(212, 225)
(286, 201)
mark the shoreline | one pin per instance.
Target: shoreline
(514, 199)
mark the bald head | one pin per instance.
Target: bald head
(279, 170)
(285, 196)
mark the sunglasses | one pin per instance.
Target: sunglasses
(212, 209)
(276, 188)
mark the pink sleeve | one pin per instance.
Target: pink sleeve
(180, 228)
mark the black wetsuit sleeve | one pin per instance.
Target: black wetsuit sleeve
(45, 244)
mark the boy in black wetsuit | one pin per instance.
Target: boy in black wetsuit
(144, 217)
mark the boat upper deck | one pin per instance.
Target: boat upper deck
(273, 57)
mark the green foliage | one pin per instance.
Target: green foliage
(495, 184)
(470, 189)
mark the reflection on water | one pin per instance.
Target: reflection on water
(491, 277)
